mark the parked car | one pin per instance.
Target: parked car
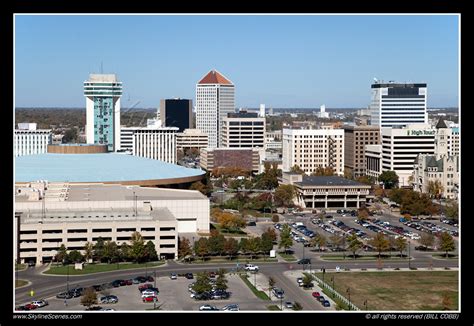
(109, 299)
(304, 261)
(150, 298)
(189, 276)
(64, 295)
(289, 305)
(173, 276)
(326, 303)
(279, 293)
(231, 307)
(316, 294)
(94, 308)
(40, 303)
(208, 307)
(30, 306)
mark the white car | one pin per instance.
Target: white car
(231, 307)
(207, 307)
(251, 268)
(39, 303)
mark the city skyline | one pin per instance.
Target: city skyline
(287, 61)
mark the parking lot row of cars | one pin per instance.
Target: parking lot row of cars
(430, 227)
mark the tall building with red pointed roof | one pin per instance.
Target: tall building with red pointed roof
(215, 98)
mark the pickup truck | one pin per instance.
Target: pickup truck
(251, 268)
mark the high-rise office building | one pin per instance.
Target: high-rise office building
(103, 94)
(313, 148)
(177, 113)
(398, 104)
(215, 98)
(243, 129)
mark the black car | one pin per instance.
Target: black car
(304, 261)
(189, 276)
(251, 224)
(202, 296)
(94, 308)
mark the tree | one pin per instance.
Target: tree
(447, 302)
(202, 282)
(297, 306)
(216, 242)
(199, 186)
(243, 245)
(266, 243)
(323, 171)
(336, 240)
(380, 243)
(400, 244)
(271, 233)
(271, 284)
(435, 188)
(389, 179)
(184, 248)
(88, 251)
(150, 250)
(362, 213)
(231, 247)
(201, 247)
(296, 169)
(110, 251)
(307, 279)
(427, 240)
(452, 209)
(319, 240)
(285, 238)
(137, 247)
(62, 254)
(284, 195)
(446, 243)
(99, 249)
(75, 256)
(354, 244)
(70, 136)
(254, 246)
(89, 298)
(221, 281)
(125, 251)
(275, 218)
(230, 221)
(365, 179)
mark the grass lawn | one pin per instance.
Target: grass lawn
(259, 294)
(240, 260)
(273, 307)
(19, 283)
(287, 257)
(236, 233)
(361, 257)
(423, 290)
(20, 267)
(97, 268)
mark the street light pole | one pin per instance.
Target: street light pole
(333, 287)
(365, 305)
(409, 267)
(349, 294)
(67, 279)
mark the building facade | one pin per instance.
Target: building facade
(191, 138)
(243, 129)
(327, 192)
(355, 140)
(313, 148)
(215, 98)
(103, 94)
(28, 140)
(177, 113)
(76, 214)
(398, 104)
(243, 158)
(373, 160)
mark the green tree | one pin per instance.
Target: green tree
(319, 240)
(99, 249)
(452, 209)
(201, 247)
(336, 240)
(297, 306)
(125, 251)
(323, 171)
(400, 244)
(137, 247)
(380, 243)
(275, 218)
(221, 281)
(231, 247)
(254, 246)
(284, 195)
(89, 298)
(266, 243)
(244, 245)
(202, 282)
(389, 179)
(307, 280)
(427, 240)
(88, 251)
(435, 188)
(184, 248)
(446, 243)
(199, 186)
(75, 256)
(70, 136)
(151, 253)
(296, 169)
(216, 242)
(285, 238)
(110, 252)
(354, 244)
(61, 256)
(271, 234)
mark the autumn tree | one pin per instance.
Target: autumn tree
(354, 244)
(380, 243)
(446, 243)
(400, 244)
(184, 248)
(284, 195)
(231, 247)
(285, 238)
(201, 247)
(296, 169)
(89, 297)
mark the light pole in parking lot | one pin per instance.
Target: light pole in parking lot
(349, 294)
(409, 266)
(333, 287)
(281, 303)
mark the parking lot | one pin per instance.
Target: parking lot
(173, 296)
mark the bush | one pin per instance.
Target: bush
(275, 218)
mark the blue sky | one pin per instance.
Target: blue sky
(282, 61)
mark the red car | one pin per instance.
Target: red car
(30, 306)
(316, 294)
(150, 299)
(129, 282)
(145, 286)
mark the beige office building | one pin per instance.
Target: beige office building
(191, 138)
(355, 139)
(243, 130)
